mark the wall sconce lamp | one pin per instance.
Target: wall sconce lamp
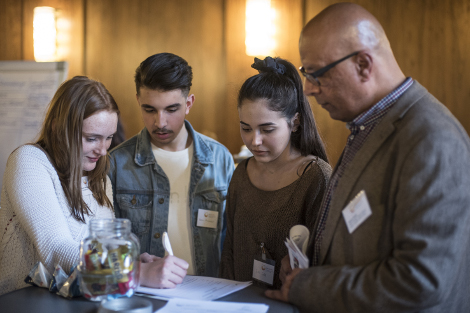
(260, 28)
(45, 34)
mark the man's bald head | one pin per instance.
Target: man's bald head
(362, 79)
(345, 27)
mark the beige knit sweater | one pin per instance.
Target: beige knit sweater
(35, 220)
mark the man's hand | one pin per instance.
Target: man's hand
(164, 272)
(283, 293)
(285, 269)
(148, 258)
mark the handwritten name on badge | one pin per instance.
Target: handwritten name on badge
(357, 211)
(207, 218)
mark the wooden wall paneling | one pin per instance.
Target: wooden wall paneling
(289, 23)
(10, 30)
(121, 34)
(71, 31)
(238, 69)
(430, 39)
(117, 40)
(447, 71)
(457, 62)
(71, 35)
(206, 56)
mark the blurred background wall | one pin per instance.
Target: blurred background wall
(107, 39)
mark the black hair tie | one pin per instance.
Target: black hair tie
(268, 65)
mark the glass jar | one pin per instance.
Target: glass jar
(109, 263)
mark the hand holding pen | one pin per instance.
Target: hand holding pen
(164, 272)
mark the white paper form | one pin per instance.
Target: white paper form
(193, 306)
(197, 288)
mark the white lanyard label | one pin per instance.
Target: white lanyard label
(263, 272)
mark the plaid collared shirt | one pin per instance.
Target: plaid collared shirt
(360, 128)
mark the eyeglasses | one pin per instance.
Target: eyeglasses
(313, 77)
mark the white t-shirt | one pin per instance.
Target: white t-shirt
(177, 167)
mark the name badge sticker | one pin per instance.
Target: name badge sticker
(207, 218)
(357, 211)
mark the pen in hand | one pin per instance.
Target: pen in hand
(166, 243)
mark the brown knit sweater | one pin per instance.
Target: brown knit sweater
(257, 216)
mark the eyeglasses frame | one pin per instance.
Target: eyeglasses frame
(323, 70)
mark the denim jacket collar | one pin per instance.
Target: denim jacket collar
(144, 155)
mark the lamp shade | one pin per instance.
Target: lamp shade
(260, 28)
(45, 34)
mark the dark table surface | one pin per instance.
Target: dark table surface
(40, 300)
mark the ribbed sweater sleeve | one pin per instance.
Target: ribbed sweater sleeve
(40, 207)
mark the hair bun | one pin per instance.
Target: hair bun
(268, 65)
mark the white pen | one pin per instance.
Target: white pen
(166, 243)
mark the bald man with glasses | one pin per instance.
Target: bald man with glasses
(393, 231)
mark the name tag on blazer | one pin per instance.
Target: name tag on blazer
(357, 211)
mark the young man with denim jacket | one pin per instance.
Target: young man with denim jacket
(170, 178)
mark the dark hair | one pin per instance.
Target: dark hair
(61, 137)
(280, 84)
(165, 72)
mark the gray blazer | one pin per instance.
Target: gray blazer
(413, 253)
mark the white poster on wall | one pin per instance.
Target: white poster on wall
(26, 88)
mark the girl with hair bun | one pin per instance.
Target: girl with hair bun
(283, 184)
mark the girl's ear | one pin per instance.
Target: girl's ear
(295, 122)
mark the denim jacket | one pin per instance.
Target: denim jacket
(141, 193)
